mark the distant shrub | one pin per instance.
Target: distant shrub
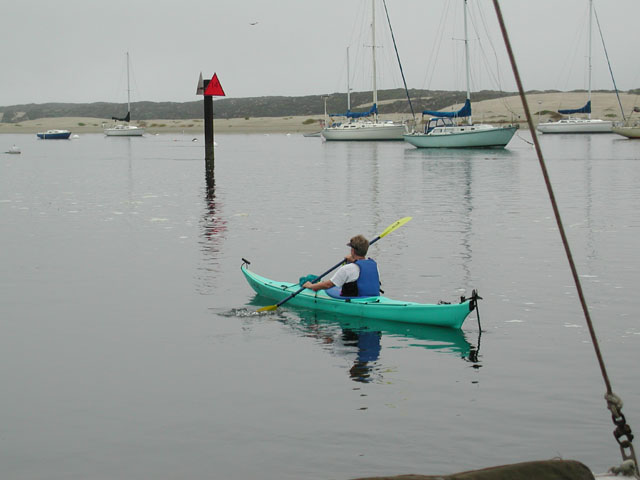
(309, 121)
(81, 124)
(247, 118)
(611, 115)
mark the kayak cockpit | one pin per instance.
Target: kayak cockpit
(334, 292)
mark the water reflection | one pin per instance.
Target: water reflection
(458, 153)
(363, 341)
(591, 253)
(213, 229)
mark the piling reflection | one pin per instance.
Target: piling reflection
(213, 229)
(212, 226)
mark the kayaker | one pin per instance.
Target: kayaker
(358, 277)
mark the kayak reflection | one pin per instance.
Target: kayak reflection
(361, 340)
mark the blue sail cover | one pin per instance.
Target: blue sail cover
(350, 114)
(465, 111)
(585, 109)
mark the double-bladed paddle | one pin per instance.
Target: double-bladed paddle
(395, 225)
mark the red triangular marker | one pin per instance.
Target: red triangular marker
(214, 88)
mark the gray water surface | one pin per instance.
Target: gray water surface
(130, 345)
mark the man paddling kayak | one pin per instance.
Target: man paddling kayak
(358, 277)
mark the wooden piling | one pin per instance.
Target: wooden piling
(209, 89)
(208, 128)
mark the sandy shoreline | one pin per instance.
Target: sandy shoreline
(508, 109)
(80, 125)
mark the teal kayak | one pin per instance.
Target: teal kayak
(450, 315)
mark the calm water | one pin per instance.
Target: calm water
(130, 349)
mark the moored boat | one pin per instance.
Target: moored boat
(121, 130)
(443, 133)
(54, 135)
(443, 129)
(575, 124)
(450, 315)
(125, 129)
(363, 125)
(365, 130)
(629, 132)
(14, 150)
(630, 128)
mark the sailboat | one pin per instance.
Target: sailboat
(628, 129)
(365, 125)
(125, 129)
(577, 124)
(443, 130)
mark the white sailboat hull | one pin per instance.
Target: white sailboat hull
(468, 136)
(629, 132)
(365, 131)
(576, 125)
(124, 131)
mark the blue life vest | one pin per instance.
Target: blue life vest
(367, 284)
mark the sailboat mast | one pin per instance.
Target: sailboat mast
(373, 50)
(128, 88)
(590, 31)
(348, 85)
(466, 58)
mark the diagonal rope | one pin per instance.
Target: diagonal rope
(623, 432)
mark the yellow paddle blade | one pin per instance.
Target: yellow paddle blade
(394, 226)
(268, 308)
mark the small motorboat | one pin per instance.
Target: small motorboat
(54, 135)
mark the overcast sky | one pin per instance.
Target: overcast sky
(74, 50)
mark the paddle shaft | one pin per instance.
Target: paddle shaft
(321, 275)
